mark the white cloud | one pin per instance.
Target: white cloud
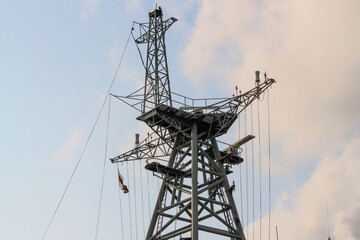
(334, 181)
(89, 7)
(309, 47)
(68, 148)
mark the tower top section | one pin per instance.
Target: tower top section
(156, 13)
(171, 112)
(157, 83)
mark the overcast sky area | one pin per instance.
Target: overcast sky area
(58, 58)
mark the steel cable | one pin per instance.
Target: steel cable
(241, 185)
(136, 228)
(247, 182)
(121, 214)
(129, 198)
(269, 138)
(87, 141)
(148, 187)
(253, 171)
(259, 127)
(103, 172)
(142, 199)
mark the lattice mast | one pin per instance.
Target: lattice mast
(157, 84)
(195, 195)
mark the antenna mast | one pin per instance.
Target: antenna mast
(157, 84)
(195, 195)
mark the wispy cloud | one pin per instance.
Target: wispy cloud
(70, 145)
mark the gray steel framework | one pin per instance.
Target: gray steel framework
(195, 194)
(157, 85)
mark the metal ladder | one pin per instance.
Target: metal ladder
(227, 213)
(161, 216)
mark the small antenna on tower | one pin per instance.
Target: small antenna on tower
(257, 78)
(257, 81)
(137, 141)
(327, 217)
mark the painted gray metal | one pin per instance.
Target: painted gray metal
(162, 191)
(157, 84)
(229, 196)
(185, 135)
(194, 184)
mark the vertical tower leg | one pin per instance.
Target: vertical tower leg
(227, 190)
(162, 191)
(194, 184)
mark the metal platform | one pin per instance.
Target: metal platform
(176, 120)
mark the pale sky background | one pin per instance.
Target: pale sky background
(57, 59)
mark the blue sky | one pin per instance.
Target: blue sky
(57, 61)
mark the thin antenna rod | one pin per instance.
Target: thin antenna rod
(327, 217)
(277, 234)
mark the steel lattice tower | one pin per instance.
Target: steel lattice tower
(157, 85)
(195, 194)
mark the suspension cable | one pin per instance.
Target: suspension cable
(241, 188)
(159, 212)
(87, 141)
(103, 172)
(269, 138)
(247, 182)
(148, 187)
(136, 229)
(142, 200)
(121, 214)
(327, 218)
(129, 198)
(259, 129)
(253, 171)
